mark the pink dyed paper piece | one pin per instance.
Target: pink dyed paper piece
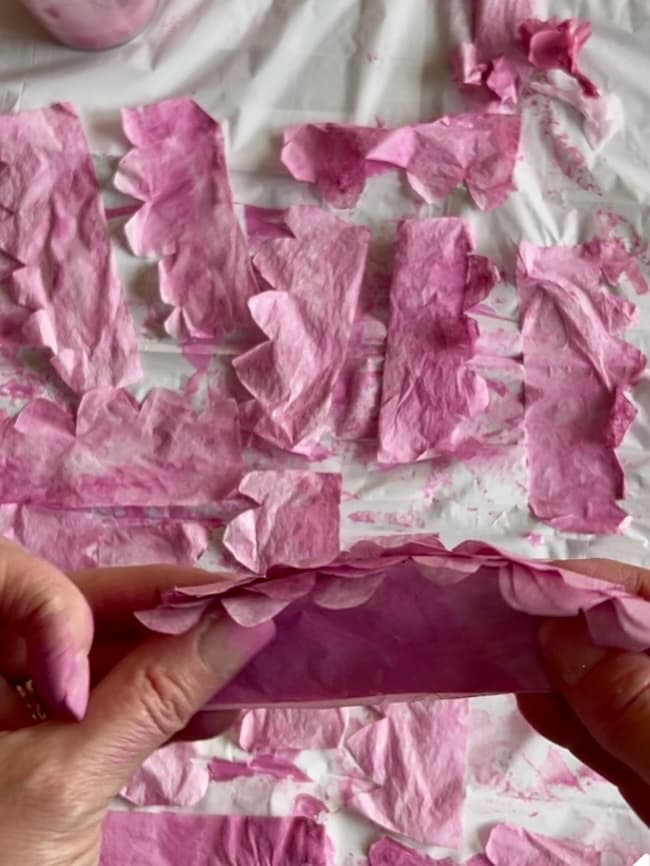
(556, 44)
(170, 777)
(429, 388)
(478, 150)
(178, 169)
(577, 370)
(187, 840)
(115, 451)
(508, 845)
(261, 765)
(295, 523)
(388, 852)
(291, 728)
(64, 291)
(366, 624)
(74, 540)
(307, 315)
(416, 757)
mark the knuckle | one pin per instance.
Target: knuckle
(166, 700)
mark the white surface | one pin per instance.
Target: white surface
(259, 65)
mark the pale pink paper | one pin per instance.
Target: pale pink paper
(508, 845)
(114, 451)
(307, 315)
(296, 520)
(172, 776)
(187, 840)
(416, 756)
(279, 729)
(388, 852)
(178, 169)
(478, 150)
(577, 370)
(429, 387)
(64, 292)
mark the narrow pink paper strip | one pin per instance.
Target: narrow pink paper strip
(429, 388)
(178, 169)
(577, 370)
(63, 283)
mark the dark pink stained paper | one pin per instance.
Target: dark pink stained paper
(388, 852)
(172, 776)
(64, 291)
(369, 624)
(115, 451)
(280, 729)
(577, 371)
(178, 169)
(314, 277)
(84, 539)
(556, 44)
(212, 840)
(429, 386)
(296, 521)
(416, 756)
(479, 150)
(509, 845)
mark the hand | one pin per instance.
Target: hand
(602, 709)
(133, 691)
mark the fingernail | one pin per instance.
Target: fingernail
(77, 691)
(569, 650)
(225, 644)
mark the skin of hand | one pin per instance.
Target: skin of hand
(113, 692)
(601, 711)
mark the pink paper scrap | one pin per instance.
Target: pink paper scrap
(388, 852)
(508, 845)
(116, 452)
(314, 276)
(188, 840)
(296, 521)
(178, 169)
(64, 294)
(172, 776)
(283, 729)
(479, 150)
(429, 386)
(221, 770)
(416, 756)
(577, 371)
(366, 624)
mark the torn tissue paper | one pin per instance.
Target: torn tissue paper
(366, 624)
(577, 370)
(117, 452)
(131, 837)
(64, 293)
(291, 728)
(172, 776)
(178, 169)
(508, 845)
(314, 275)
(415, 756)
(479, 150)
(429, 387)
(388, 852)
(296, 520)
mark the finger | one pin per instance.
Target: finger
(635, 579)
(155, 692)
(609, 691)
(115, 593)
(40, 604)
(208, 724)
(14, 713)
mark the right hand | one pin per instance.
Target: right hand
(601, 711)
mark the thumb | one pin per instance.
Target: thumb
(154, 693)
(608, 690)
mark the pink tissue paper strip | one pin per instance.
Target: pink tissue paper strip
(262, 765)
(74, 540)
(366, 624)
(577, 370)
(188, 840)
(508, 845)
(296, 521)
(314, 274)
(429, 387)
(170, 777)
(479, 150)
(416, 756)
(115, 451)
(63, 280)
(178, 169)
(292, 728)
(388, 852)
